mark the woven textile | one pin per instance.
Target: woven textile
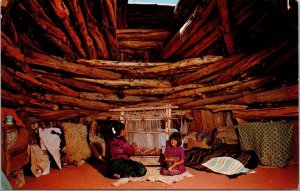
(226, 165)
(271, 141)
(196, 157)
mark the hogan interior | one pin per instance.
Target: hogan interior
(217, 63)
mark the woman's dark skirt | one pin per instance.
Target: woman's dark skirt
(126, 168)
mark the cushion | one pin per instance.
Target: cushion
(77, 147)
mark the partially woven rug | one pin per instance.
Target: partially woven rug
(153, 175)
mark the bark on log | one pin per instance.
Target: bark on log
(144, 45)
(44, 114)
(188, 29)
(22, 100)
(277, 95)
(143, 34)
(77, 14)
(198, 91)
(60, 64)
(267, 113)
(173, 102)
(112, 64)
(210, 69)
(201, 46)
(81, 85)
(8, 79)
(226, 26)
(47, 84)
(76, 102)
(248, 63)
(210, 100)
(198, 36)
(124, 83)
(62, 12)
(122, 14)
(52, 32)
(96, 34)
(115, 98)
(184, 63)
(161, 91)
(223, 107)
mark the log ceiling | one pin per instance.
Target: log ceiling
(64, 59)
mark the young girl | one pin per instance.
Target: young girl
(174, 156)
(120, 165)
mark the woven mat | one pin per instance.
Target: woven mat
(153, 175)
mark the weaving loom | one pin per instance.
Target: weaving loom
(149, 128)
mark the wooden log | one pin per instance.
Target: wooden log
(161, 91)
(210, 100)
(81, 85)
(9, 81)
(248, 63)
(197, 91)
(113, 64)
(77, 14)
(124, 83)
(173, 102)
(31, 44)
(143, 34)
(60, 64)
(62, 11)
(210, 69)
(44, 114)
(122, 14)
(52, 32)
(226, 26)
(250, 84)
(182, 11)
(201, 46)
(198, 36)
(188, 29)
(9, 48)
(47, 84)
(111, 10)
(96, 34)
(22, 100)
(76, 102)
(140, 44)
(184, 63)
(277, 95)
(222, 107)
(267, 113)
(115, 98)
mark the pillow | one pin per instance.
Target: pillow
(77, 147)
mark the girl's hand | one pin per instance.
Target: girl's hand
(134, 145)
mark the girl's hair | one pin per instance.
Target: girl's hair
(116, 127)
(176, 136)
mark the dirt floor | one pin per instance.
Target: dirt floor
(92, 175)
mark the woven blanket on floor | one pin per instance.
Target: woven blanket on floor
(153, 175)
(196, 157)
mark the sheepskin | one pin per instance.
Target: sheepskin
(77, 147)
(153, 175)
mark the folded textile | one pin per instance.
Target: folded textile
(226, 165)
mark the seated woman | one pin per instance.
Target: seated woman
(120, 165)
(174, 156)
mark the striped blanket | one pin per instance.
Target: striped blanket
(205, 160)
(226, 165)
